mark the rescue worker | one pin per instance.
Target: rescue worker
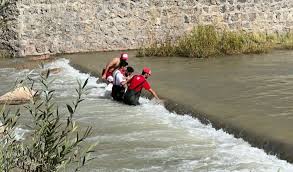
(113, 64)
(135, 85)
(118, 88)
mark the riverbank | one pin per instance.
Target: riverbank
(207, 41)
(233, 95)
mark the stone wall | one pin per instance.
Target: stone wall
(9, 39)
(68, 26)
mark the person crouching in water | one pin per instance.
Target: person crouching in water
(118, 88)
(113, 65)
(135, 85)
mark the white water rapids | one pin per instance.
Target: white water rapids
(148, 137)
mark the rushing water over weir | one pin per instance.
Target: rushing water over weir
(148, 137)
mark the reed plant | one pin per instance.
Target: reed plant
(163, 48)
(206, 41)
(55, 138)
(287, 41)
(201, 42)
(232, 43)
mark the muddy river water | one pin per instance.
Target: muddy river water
(253, 92)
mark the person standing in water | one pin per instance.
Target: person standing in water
(118, 88)
(135, 86)
(113, 64)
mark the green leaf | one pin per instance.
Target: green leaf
(69, 108)
(39, 105)
(80, 100)
(36, 94)
(28, 126)
(47, 74)
(51, 91)
(85, 83)
(83, 161)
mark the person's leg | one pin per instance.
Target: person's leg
(129, 97)
(136, 98)
(120, 93)
(114, 92)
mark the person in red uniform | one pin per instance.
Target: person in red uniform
(113, 64)
(135, 85)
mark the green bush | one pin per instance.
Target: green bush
(206, 41)
(157, 49)
(287, 41)
(55, 139)
(232, 43)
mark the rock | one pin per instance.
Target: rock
(20, 95)
(52, 71)
(42, 57)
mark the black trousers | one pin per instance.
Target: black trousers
(131, 97)
(118, 92)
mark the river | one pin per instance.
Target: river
(148, 137)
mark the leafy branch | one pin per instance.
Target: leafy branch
(55, 140)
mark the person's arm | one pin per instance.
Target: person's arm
(122, 80)
(154, 93)
(124, 83)
(127, 79)
(113, 63)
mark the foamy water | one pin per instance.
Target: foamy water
(150, 138)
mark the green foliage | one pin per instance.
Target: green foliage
(158, 49)
(5, 54)
(287, 40)
(55, 140)
(206, 41)
(203, 42)
(232, 43)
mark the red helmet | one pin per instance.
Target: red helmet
(147, 70)
(124, 56)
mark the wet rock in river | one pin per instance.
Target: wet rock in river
(20, 95)
(42, 57)
(52, 71)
